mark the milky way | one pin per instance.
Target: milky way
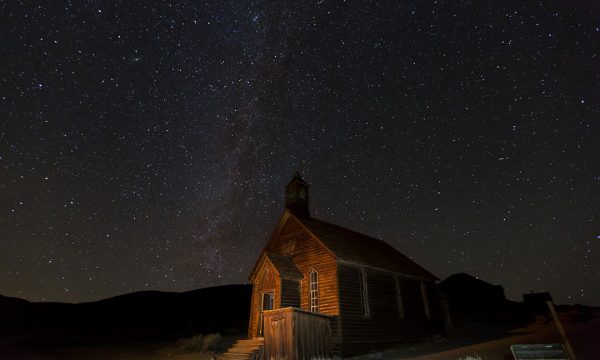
(146, 144)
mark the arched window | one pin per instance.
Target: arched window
(314, 291)
(364, 293)
(399, 297)
(425, 300)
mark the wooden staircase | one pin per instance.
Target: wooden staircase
(246, 349)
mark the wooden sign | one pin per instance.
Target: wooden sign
(539, 352)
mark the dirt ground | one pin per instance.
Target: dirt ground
(584, 337)
(133, 351)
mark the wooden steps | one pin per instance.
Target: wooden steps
(247, 349)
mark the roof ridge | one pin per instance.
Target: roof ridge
(340, 241)
(341, 227)
(358, 233)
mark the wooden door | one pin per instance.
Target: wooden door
(268, 300)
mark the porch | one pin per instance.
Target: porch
(291, 334)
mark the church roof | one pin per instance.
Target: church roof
(285, 266)
(352, 246)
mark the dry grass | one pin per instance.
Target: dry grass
(200, 343)
(471, 357)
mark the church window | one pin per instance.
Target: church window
(314, 291)
(399, 298)
(425, 300)
(364, 293)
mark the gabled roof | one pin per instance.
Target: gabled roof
(345, 245)
(285, 267)
(352, 246)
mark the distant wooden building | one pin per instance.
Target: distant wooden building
(536, 303)
(375, 297)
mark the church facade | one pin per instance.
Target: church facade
(374, 296)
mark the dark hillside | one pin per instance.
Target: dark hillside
(136, 316)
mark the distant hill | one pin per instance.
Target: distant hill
(473, 300)
(474, 304)
(137, 316)
(468, 288)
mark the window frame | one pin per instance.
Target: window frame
(399, 301)
(364, 293)
(425, 300)
(313, 290)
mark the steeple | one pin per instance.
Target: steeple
(296, 196)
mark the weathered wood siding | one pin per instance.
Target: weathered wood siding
(293, 334)
(384, 326)
(307, 253)
(254, 301)
(267, 280)
(290, 293)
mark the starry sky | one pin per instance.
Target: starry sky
(147, 144)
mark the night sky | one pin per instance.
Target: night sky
(147, 144)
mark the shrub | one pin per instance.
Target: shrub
(211, 342)
(471, 357)
(199, 343)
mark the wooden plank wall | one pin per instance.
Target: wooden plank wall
(293, 335)
(383, 327)
(263, 283)
(290, 293)
(253, 313)
(316, 257)
(312, 336)
(307, 254)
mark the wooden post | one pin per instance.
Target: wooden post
(561, 330)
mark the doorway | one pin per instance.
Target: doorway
(268, 300)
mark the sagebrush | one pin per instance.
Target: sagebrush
(472, 357)
(200, 343)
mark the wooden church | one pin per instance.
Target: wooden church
(321, 290)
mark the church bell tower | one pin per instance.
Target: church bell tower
(296, 196)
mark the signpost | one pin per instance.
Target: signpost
(546, 351)
(561, 330)
(539, 352)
